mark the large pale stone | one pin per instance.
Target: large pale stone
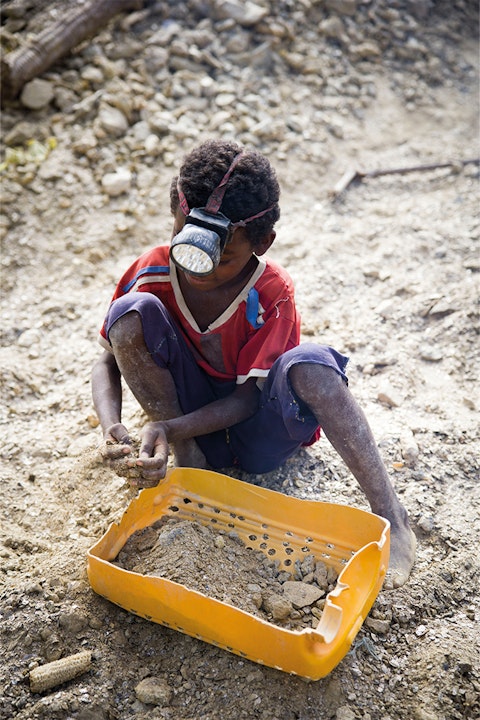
(37, 94)
(117, 182)
(301, 594)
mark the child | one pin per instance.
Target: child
(213, 356)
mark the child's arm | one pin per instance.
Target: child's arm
(107, 400)
(218, 415)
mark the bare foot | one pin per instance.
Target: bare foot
(188, 454)
(402, 556)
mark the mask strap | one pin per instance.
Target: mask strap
(215, 200)
(242, 223)
(183, 200)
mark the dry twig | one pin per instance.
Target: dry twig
(351, 176)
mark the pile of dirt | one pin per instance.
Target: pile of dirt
(222, 567)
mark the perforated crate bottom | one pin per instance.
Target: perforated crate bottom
(285, 529)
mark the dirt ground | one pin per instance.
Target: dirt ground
(387, 273)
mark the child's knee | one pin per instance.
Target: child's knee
(126, 328)
(316, 371)
(311, 381)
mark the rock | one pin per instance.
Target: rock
(22, 132)
(300, 594)
(156, 59)
(255, 594)
(472, 264)
(333, 28)
(65, 99)
(159, 121)
(444, 306)
(113, 121)
(387, 308)
(72, 622)
(238, 43)
(422, 713)
(403, 614)
(37, 94)
(345, 713)
(387, 396)
(92, 75)
(381, 627)
(278, 606)
(139, 132)
(117, 182)
(409, 447)
(308, 565)
(225, 99)
(343, 7)
(53, 168)
(332, 575)
(366, 50)
(29, 338)
(85, 142)
(154, 691)
(152, 145)
(431, 354)
(244, 13)
(426, 523)
(321, 575)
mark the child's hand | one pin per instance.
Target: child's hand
(117, 442)
(151, 464)
(116, 449)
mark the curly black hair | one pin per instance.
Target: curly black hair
(252, 186)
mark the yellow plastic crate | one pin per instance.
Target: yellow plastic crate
(355, 542)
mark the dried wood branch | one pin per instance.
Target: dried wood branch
(37, 55)
(351, 175)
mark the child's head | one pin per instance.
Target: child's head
(251, 188)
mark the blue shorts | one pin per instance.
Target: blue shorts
(282, 422)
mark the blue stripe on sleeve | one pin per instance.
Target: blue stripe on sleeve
(146, 271)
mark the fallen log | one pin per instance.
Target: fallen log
(351, 175)
(40, 53)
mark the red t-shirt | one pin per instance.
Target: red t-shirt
(259, 325)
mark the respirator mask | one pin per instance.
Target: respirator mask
(199, 245)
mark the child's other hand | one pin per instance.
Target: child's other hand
(153, 456)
